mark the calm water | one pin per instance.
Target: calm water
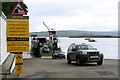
(107, 46)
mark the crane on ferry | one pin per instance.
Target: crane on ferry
(49, 29)
(55, 48)
(52, 37)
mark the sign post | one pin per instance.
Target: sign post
(19, 63)
(18, 35)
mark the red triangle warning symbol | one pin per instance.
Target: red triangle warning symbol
(18, 10)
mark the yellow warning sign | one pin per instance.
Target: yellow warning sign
(18, 69)
(18, 34)
(19, 58)
(17, 27)
(17, 46)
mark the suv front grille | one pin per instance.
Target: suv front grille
(93, 53)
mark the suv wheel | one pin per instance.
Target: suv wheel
(68, 60)
(78, 61)
(100, 62)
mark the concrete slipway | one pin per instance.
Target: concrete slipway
(37, 68)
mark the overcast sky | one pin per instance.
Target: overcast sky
(89, 15)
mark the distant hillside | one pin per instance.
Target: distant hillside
(69, 33)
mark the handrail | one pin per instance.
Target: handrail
(7, 71)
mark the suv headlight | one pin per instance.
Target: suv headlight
(84, 52)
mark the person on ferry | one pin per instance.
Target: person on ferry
(34, 45)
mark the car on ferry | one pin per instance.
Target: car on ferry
(83, 53)
(45, 49)
(58, 54)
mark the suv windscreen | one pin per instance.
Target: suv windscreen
(85, 47)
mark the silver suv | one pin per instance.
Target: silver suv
(82, 53)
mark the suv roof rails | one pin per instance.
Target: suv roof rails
(83, 43)
(73, 44)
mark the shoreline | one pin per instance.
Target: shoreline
(93, 37)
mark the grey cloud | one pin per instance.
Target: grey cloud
(45, 11)
(57, 9)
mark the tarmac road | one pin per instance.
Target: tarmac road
(58, 68)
